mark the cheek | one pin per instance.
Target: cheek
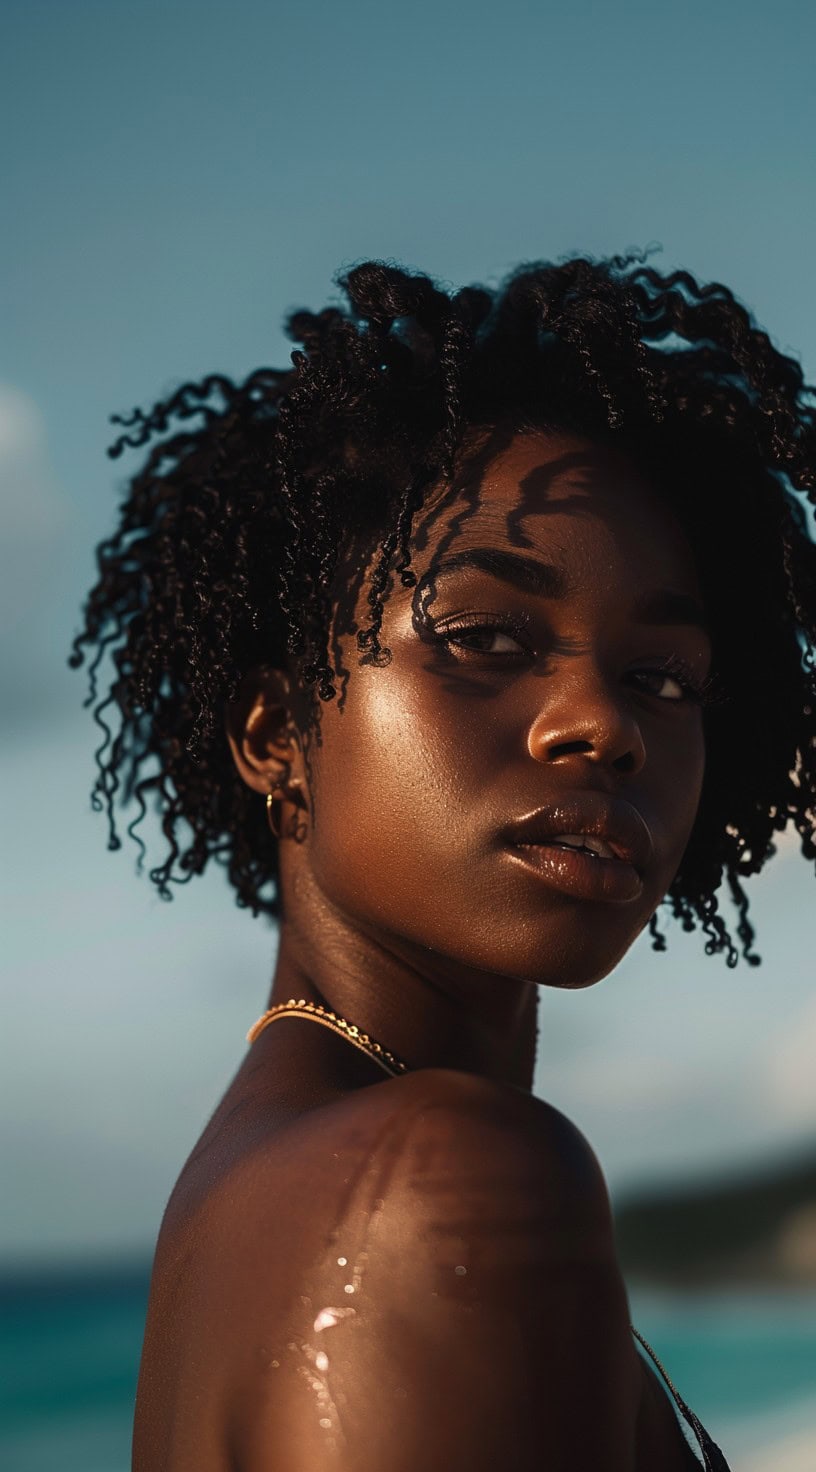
(396, 789)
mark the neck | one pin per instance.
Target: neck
(432, 1016)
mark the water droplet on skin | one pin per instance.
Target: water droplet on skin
(315, 1377)
(328, 1317)
(349, 1288)
(460, 1271)
(275, 1364)
(341, 1262)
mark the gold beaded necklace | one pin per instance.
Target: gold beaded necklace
(388, 1061)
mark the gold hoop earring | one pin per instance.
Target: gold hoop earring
(292, 792)
(273, 809)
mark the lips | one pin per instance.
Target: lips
(611, 820)
(587, 844)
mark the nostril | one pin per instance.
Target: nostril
(566, 748)
(625, 763)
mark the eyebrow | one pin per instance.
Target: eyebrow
(543, 580)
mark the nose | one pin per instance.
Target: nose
(584, 715)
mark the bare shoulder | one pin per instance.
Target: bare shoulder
(410, 1247)
(436, 1148)
(460, 1117)
(398, 1139)
(421, 1273)
(471, 1127)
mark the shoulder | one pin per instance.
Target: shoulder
(435, 1118)
(465, 1122)
(465, 1175)
(425, 1161)
(442, 1135)
(415, 1148)
(406, 1246)
(456, 1115)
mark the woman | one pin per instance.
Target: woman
(463, 644)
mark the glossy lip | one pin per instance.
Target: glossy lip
(609, 881)
(532, 841)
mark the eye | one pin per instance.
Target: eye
(670, 681)
(485, 641)
(657, 682)
(489, 635)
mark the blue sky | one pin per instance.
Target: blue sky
(175, 177)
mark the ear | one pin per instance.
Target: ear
(261, 730)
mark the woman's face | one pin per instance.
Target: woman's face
(524, 700)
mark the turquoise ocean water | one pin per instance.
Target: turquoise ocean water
(70, 1342)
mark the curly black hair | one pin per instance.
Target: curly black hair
(226, 554)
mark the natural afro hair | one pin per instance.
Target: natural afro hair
(226, 554)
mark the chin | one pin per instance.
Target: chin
(577, 962)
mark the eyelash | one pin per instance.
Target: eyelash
(702, 692)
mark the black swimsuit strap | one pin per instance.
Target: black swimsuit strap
(713, 1459)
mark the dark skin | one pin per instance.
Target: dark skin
(405, 913)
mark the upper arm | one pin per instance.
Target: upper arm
(463, 1308)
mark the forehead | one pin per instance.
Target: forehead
(571, 501)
